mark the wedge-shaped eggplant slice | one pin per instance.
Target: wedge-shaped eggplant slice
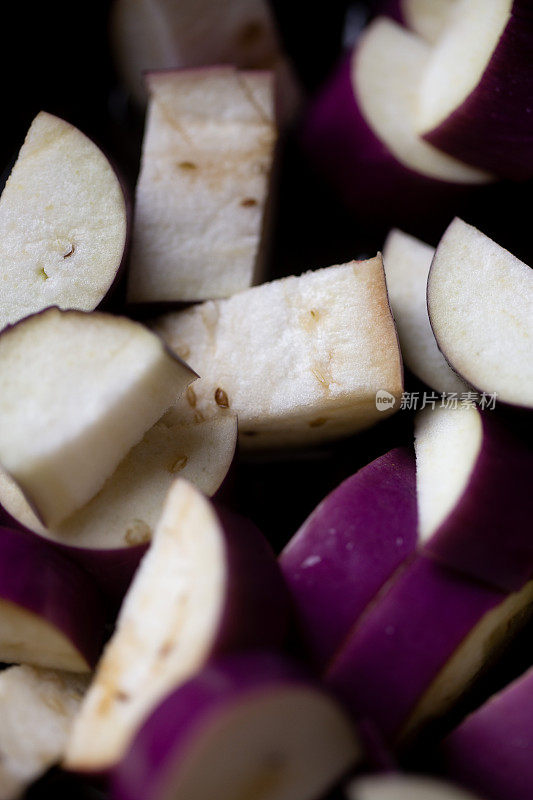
(480, 302)
(204, 182)
(51, 612)
(37, 707)
(109, 535)
(209, 582)
(63, 223)
(427, 18)
(404, 787)
(421, 644)
(475, 94)
(299, 360)
(407, 262)
(474, 496)
(491, 752)
(249, 725)
(360, 133)
(175, 34)
(77, 391)
(349, 547)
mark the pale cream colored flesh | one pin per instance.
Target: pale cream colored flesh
(447, 445)
(165, 630)
(428, 18)
(165, 34)
(126, 510)
(407, 261)
(404, 787)
(62, 223)
(387, 67)
(480, 302)
(77, 391)
(37, 707)
(478, 650)
(31, 639)
(459, 59)
(203, 186)
(281, 743)
(298, 360)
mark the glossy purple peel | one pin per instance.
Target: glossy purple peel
(491, 752)
(249, 723)
(389, 666)
(36, 578)
(348, 547)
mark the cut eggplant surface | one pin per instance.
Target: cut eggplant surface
(407, 262)
(37, 707)
(427, 18)
(404, 787)
(209, 582)
(360, 133)
(175, 34)
(475, 95)
(109, 535)
(480, 303)
(474, 497)
(63, 223)
(77, 391)
(421, 644)
(491, 752)
(349, 547)
(248, 726)
(299, 360)
(51, 612)
(199, 228)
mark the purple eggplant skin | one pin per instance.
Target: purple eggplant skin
(257, 605)
(36, 577)
(487, 535)
(491, 752)
(112, 570)
(349, 547)
(166, 737)
(340, 144)
(403, 640)
(493, 127)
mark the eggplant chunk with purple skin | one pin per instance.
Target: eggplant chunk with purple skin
(199, 229)
(407, 262)
(360, 133)
(491, 752)
(77, 391)
(349, 547)
(51, 612)
(474, 497)
(480, 303)
(109, 535)
(420, 645)
(251, 725)
(208, 583)
(63, 223)
(300, 359)
(37, 707)
(474, 99)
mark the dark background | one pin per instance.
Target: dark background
(59, 61)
